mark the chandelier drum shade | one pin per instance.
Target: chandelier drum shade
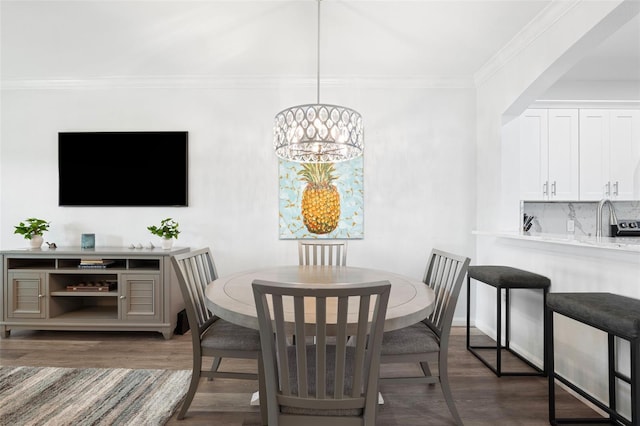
(318, 133)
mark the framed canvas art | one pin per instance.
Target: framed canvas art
(321, 200)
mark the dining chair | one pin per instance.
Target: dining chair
(211, 336)
(322, 252)
(321, 383)
(428, 340)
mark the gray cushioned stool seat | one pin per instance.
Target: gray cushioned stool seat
(506, 276)
(609, 312)
(619, 317)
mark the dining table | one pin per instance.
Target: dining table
(231, 297)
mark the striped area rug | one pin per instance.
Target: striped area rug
(89, 396)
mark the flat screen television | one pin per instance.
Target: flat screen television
(123, 169)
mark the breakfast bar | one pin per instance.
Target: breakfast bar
(573, 264)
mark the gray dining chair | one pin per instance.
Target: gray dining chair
(325, 252)
(211, 336)
(321, 383)
(428, 340)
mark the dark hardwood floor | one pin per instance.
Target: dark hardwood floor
(482, 398)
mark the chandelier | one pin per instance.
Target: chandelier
(318, 133)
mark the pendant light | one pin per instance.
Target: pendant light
(318, 133)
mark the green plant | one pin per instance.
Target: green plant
(31, 227)
(168, 229)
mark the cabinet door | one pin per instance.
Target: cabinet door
(594, 154)
(140, 297)
(26, 295)
(624, 154)
(564, 157)
(534, 155)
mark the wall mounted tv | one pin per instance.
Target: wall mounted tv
(123, 168)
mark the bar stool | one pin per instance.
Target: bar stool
(616, 315)
(505, 278)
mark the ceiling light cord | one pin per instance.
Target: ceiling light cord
(318, 59)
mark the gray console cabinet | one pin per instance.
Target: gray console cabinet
(143, 294)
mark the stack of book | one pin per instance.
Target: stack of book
(94, 263)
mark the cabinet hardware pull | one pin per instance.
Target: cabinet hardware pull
(607, 191)
(615, 188)
(40, 296)
(553, 188)
(545, 188)
(123, 297)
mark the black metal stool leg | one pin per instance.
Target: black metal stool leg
(611, 345)
(548, 337)
(635, 380)
(507, 318)
(468, 309)
(545, 368)
(499, 332)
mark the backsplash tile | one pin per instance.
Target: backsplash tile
(552, 217)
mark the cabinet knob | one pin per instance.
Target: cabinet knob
(123, 297)
(40, 296)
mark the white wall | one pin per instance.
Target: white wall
(419, 167)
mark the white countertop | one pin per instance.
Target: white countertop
(620, 243)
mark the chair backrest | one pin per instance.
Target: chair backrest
(322, 253)
(195, 270)
(341, 375)
(444, 274)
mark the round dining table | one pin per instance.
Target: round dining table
(231, 297)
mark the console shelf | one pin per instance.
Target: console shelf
(112, 293)
(99, 289)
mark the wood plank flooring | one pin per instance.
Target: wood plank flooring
(482, 398)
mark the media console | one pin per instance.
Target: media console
(116, 289)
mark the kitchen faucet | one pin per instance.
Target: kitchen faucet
(613, 220)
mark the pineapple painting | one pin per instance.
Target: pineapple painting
(321, 200)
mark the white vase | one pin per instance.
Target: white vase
(167, 243)
(36, 241)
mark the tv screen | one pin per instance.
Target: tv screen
(123, 168)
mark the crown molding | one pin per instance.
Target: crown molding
(586, 103)
(240, 82)
(529, 33)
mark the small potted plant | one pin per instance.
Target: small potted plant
(32, 229)
(168, 231)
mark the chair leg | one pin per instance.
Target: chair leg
(193, 387)
(214, 366)
(446, 390)
(426, 370)
(262, 391)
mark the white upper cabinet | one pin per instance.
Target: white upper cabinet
(549, 157)
(609, 154)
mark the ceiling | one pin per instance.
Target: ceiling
(616, 58)
(449, 39)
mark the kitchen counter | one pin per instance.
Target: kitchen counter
(577, 263)
(629, 244)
